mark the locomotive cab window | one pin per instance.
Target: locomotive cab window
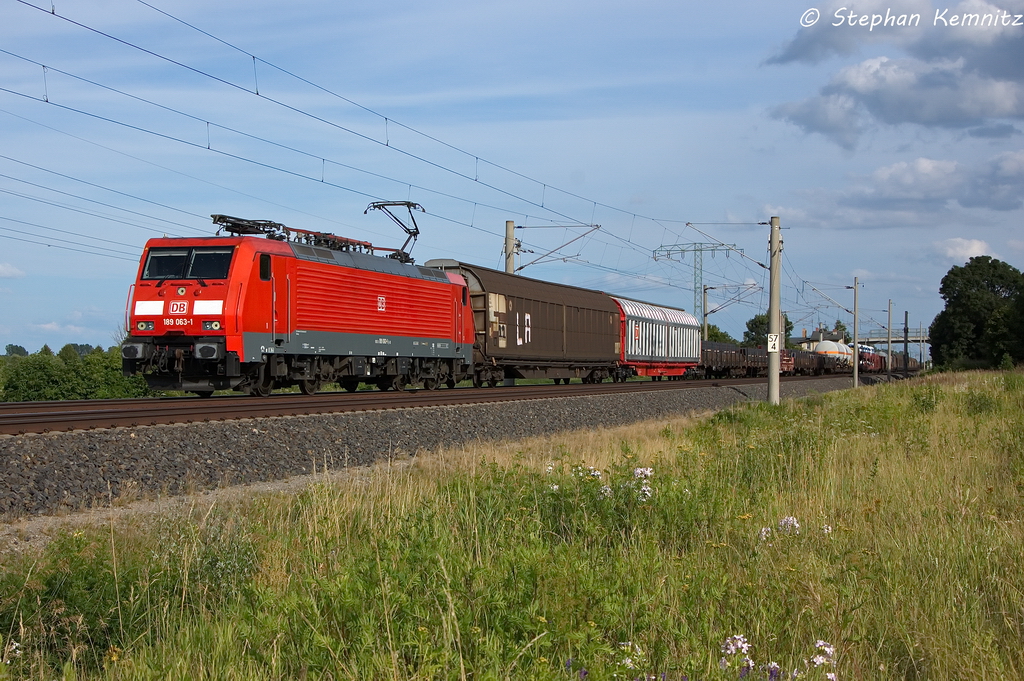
(188, 263)
(264, 267)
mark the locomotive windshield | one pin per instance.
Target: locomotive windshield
(188, 263)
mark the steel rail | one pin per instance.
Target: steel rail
(18, 418)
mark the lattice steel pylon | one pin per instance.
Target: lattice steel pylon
(698, 250)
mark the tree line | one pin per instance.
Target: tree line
(76, 372)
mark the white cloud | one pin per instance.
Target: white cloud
(964, 76)
(9, 271)
(1016, 245)
(920, 177)
(998, 184)
(836, 116)
(930, 185)
(942, 93)
(962, 250)
(58, 327)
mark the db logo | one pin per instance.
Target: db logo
(382, 304)
(179, 307)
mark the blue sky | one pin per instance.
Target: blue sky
(890, 153)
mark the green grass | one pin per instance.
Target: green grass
(545, 558)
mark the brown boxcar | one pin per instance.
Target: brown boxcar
(526, 328)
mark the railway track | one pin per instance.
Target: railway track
(20, 418)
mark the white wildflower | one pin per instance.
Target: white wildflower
(643, 472)
(645, 492)
(819, 660)
(765, 533)
(554, 488)
(827, 529)
(606, 492)
(789, 525)
(736, 644)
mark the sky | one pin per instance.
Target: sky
(886, 136)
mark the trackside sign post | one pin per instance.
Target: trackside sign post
(774, 307)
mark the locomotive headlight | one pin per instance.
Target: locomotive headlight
(211, 326)
(144, 326)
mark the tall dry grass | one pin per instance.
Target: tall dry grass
(873, 534)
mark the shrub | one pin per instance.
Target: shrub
(65, 376)
(42, 377)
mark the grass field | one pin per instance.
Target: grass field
(873, 534)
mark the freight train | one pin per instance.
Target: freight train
(268, 306)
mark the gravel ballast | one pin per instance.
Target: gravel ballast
(60, 472)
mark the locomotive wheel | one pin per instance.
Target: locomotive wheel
(400, 382)
(431, 384)
(350, 386)
(309, 387)
(204, 393)
(450, 382)
(264, 384)
(384, 384)
(494, 383)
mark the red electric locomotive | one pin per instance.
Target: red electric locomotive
(293, 308)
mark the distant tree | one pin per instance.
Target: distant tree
(82, 349)
(840, 329)
(69, 355)
(45, 351)
(981, 322)
(42, 377)
(716, 335)
(15, 351)
(757, 330)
